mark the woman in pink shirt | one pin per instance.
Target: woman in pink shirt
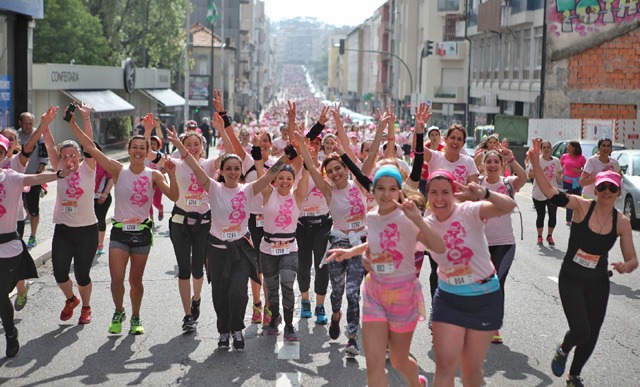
(75, 236)
(572, 164)
(467, 279)
(15, 261)
(392, 298)
(131, 235)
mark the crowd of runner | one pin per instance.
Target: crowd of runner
(302, 193)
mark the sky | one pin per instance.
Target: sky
(335, 12)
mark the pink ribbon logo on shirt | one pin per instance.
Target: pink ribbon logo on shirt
(238, 214)
(284, 219)
(140, 196)
(457, 252)
(389, 238)
(74, 191)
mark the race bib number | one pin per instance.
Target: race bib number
(590, 261)
(193, 200)
(69, 206)
(259, 220)
(280, 248)
(311, 211)
(382, 263)
(355, 222)
(458, 275)
(231, 232)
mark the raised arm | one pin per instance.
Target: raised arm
(521, 174)
(369, 162)
(200, 174)
(494, 204)
(170, 190)
(234, 143)
(47, 177)
(85, 110)
(317, 177)
(110, 165)
(262, 184)
(342, 135)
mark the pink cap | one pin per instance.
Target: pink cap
(443, 173)
(608, 177)
(4, 142)
(353, 134)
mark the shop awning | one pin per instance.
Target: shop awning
(103, 101)
(165, 97)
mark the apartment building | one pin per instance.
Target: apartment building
(506, 58)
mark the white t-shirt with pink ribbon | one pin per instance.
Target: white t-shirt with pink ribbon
(11, 184)
(499, 230)
(392, 244)
(592, 167)
(466, 258)
(193, 197)
(229, 210)
(550, 168)
(461, 169)
(14, 163)
(280, 217)
(74, 198)
(348, 208)
(133, 193)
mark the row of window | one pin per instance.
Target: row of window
(515, 56)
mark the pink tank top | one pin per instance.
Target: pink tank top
(348, 208)
(193, 197)
(314, 204)
(133, 193)
(74, 198)
(280, 217)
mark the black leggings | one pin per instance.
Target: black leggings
(189, 247)
(256, 237)
(101, 212)
(541, 206)
(77, 243)
(8, 272)
(433, 276)
(312, 241)
(502, 258)
(584, 301)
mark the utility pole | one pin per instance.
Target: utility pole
(186, 65)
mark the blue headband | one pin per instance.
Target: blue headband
(388, 170)
(288, 168)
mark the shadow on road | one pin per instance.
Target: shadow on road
(516, 368)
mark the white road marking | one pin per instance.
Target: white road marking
(288, 350)
(288, 379)
(554, 279)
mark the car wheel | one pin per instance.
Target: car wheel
(630, 211)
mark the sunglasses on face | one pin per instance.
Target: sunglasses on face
(612, 188)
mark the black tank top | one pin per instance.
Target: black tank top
(586, 243)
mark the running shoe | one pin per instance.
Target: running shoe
(223, 341)
(266, 316)
(321, 316)
(423, 380)
(272, 328)
(136, 326)
(195, 308)
(352, 348)
(188, 324)
(559, 361)
(13, 345)
(550, 240)
(539, 241)
(574, 381)
(85, 315)
(305, 311)
(101, 250)
(21, 299)
(116, 322)
(238, 340)
(256, 317)
(290, 333)
(497, 338)
(69, 306)
(334, 327)
(32, 242)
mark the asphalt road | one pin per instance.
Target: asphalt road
(57, 353)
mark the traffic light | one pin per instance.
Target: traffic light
(341, 49)
(427, 49)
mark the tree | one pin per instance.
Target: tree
(151, 32)
(68, 31)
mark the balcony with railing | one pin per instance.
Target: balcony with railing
(449, 94)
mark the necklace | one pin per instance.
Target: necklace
(602, 224)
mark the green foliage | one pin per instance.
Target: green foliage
(151, 32)
(68, 31)
(118, 128)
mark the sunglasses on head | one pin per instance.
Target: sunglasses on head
(612, 188)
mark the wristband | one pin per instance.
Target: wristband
(486, 193)
(391, 138)
(512, 160)
(305, 166)
(159, 156)
(290, 151)
(87, 155)
(225, 118)
(315, 130)
(58, 174)
(26, 154)
(256, 153)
